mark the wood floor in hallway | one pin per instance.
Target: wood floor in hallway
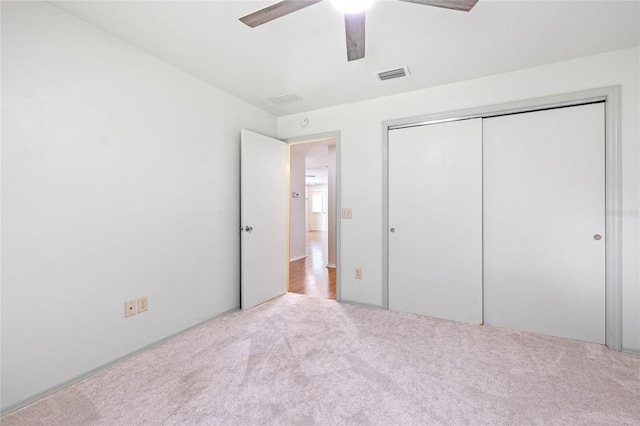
(310, 275)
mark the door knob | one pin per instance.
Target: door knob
(248, 228)
(392, 230)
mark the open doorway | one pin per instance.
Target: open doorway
(312, 218)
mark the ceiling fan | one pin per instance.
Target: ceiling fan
(353, 17)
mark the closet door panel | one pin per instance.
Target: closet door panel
(435, 212)
(544, 223)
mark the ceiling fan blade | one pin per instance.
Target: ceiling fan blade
(276, 10)
(464, 5)
(354, 29)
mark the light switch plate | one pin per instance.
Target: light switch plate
(346, 213)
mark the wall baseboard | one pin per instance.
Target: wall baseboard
(366, 305)
(297, 258)
(33, 398)
(331, 265)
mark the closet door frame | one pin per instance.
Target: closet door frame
(613, 188)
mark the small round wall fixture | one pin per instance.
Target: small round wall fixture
(304, 122)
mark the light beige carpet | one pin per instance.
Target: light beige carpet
(299, 360)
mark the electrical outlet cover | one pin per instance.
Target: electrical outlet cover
(130, 308)
(143, 304)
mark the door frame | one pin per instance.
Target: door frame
(316, 138)
(613, 184)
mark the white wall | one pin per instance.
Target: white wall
(360, 125)
(120, 178)
(297, 208)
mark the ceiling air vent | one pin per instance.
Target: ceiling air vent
(285, 99)
(397, 73)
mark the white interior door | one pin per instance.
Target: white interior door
(263, 211)
(544, 203)
(435, 216)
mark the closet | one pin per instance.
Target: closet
(500, 220)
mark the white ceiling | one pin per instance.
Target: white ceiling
(305, 51)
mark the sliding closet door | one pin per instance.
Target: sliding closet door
(435, 220)
(544, 224)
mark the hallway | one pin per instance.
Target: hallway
(310, 275)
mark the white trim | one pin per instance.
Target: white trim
(386, 125)
(291, 259)
(613, 222)
(613, 185)
(331, 265)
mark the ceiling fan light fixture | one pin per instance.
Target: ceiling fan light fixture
(352, 6)
(354, 20)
